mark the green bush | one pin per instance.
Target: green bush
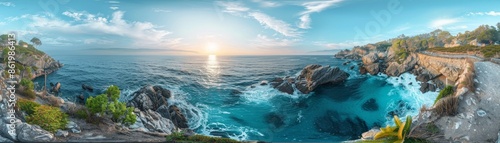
(116, 109)
(448, 90)
(82, 114)
(48, 118)
(113, 92)
(97, 104)
(179, 137)
(27, 106)
(27, 83)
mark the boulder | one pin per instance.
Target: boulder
(362, 70)
(87, 87)
(149, 98)
(396, 69)
(313, 76)
(285, 87)
(151, 121)
(56, 87)
(5, 140)
(177, 117)
(264, 82)
(370, 58)
(373, 68)
(276, 82)
(368, 135)
(32, 133)
(61, 133)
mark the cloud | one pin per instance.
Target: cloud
(438, 24)
(143, 34)
(8, 4)
(97, 41)
(275, 24)
(312, 7)
(263, 41)
(114, 8)
(161, 10)
(265, 3)
(234, 8)
(490, 13)
(15, 18)
(2, 23)
(115, 2)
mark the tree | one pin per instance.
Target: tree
(97, 104)
(113, 92)
(36, 41)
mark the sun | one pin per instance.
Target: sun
(212, 48)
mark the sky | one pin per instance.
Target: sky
(232, 27)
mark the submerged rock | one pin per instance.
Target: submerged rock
(275, 119)
(332, 122)
(87, 87)
(370, 105)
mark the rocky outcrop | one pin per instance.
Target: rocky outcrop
(32, 133)
(395, 68)
(313, 76)
(39, 62)
(153, 111)
(149, 97)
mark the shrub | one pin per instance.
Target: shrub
(448, 90)
(113, 92)
(27, 83)
(27, 105)
(180, 137)
(97, 104)
(82, 114)
(130, 117)
(48, 118)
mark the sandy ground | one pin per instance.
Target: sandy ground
(478, 119)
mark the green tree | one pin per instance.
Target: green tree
(27, 83)
(36, 41)
(97, 104)
(113, 92)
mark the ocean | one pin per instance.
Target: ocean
(206, 88)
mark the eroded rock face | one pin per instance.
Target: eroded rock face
(313, 76)
(177, 117)
(373, 68)
(152, 121)
(149, 98)
(370, 58)
(396, 69)
(32, 133)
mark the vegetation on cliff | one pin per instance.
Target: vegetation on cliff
(108, 105)
(47, 117)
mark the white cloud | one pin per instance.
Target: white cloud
(263, 41)
(97, 41)
(234, 8)
(2, 23)
(161, 10)
(311, 7)
(113, 2)
(16, 17)
(140, 33)
(265, 3)
(490, 13)
(7, 4)
(438, 24)
(114, 8)
(275, 24)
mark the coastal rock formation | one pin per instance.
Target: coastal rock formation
(309, 79)
(395, 68)
(154, 113)
(32, 133)
(149, 97)
(39, 61)
(313, 76)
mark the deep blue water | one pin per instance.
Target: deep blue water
(202, 86)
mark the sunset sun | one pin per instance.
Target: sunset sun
(212, 48)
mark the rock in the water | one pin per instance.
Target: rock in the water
(149, 97)
(370, 105)
(372, 68)
(32, 133)
(61, 133)
(276, 82)
(275, 119)
(177, 117)
(56, 87)
(235, 92)
(264, 82)
(313, 76)
(362, 70)
(285, 87)
(87, 87)
(352, 67)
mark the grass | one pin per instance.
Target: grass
(27, 106)
(180, 137)
(448, 90)
(447, 106)
(489, 51)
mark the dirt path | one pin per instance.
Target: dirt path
(478, 119)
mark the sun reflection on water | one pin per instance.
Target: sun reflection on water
(213, 70)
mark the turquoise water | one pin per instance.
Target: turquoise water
(203, 86)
